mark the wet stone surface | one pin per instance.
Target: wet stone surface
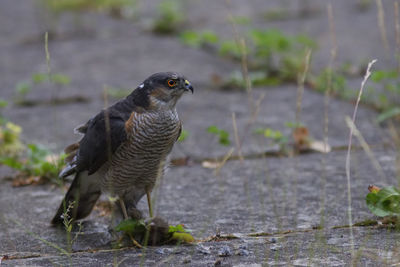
(264, 210)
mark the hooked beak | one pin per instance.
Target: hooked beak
(188, 86)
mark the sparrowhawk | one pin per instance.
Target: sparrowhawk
(124, 148)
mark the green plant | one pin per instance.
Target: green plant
(170, 17)
(387, 99)
(3, 104)
(68, 224)
(35, 161)
(384, 202)
(230, 48)
(139, 229)
(383, 94)
(180, 234)
(61, 6)
(276, 136)
(388, 113)
(257, 78)
(23, 88)
(275, 51)
(199, 39)
(10, 143)
(338, 87)
(184, 134)
(223, 136)
(273, 57)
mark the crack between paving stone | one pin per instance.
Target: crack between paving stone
(183, 161)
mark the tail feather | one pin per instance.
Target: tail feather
(80, 198)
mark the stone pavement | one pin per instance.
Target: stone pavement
(264, 210)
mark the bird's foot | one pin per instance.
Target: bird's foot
(134, 213)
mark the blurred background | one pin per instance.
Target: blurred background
(221, 46)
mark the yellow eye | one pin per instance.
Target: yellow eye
(171, 83)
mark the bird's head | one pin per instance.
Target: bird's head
(164, 89)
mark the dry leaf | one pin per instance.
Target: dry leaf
(185, 161)
(210, 164)
(320, 146)
(373, 189)
(301, 138)
(23, 180)
(104, 208)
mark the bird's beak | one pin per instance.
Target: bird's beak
(188, 86)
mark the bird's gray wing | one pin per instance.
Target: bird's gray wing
(103, 134)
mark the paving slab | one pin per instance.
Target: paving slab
(270, 196)
(330, 248)
(282, 200)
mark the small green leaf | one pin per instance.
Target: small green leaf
(176, 228)
(230, 48)
(182, 237)
(380, 75)
(213, 129)
(60, 79)
(11, 162)
(131, 226)
(23, 88)
(384, 203)
(293, 125)
(191, 38)
(179, 233)
(3, 103)
(390, 113)
(222, 135)
(40, 77)
(224, 138)
(183, 136)
(209, 37)
(259, 131)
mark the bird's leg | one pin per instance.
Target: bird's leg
(135, 243)
(121, 202)
(148, 193)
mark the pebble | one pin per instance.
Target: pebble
(243, 252)
(187, 259)
(163, 251)
(275, 247)
(225, 251)
(204, 250)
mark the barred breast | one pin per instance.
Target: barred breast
(141, 159)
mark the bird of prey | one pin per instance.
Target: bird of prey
(124, 148)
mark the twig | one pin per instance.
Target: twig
(237, 140)
(301, 81)
(367, 74)
(327, 96)
(366, 147)
(397, 27)
(223, 161)
(381, 24)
